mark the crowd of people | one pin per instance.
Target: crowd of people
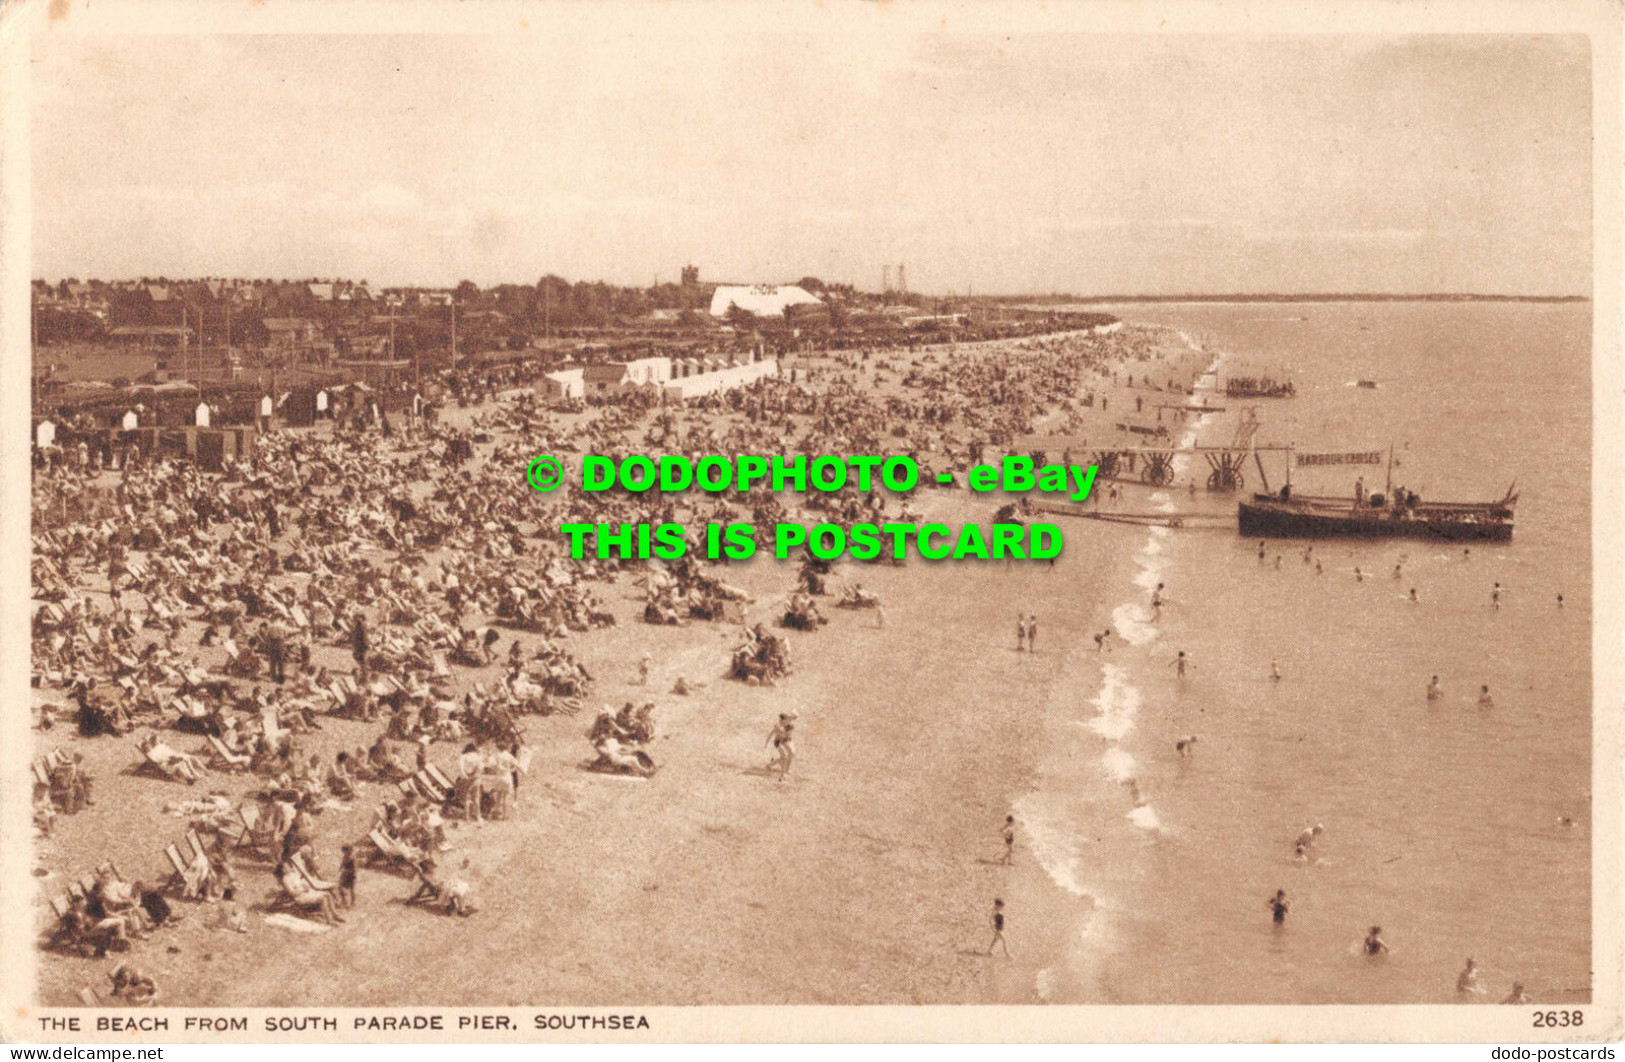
(217, 624)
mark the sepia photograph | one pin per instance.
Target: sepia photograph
(548, 521)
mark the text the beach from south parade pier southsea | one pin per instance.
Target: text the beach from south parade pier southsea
(864, 541)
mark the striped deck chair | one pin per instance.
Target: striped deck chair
(439, 779)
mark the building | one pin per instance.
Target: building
(292, 333)
(565, 383)
(763, 300)
(695, 378)
(618, 376)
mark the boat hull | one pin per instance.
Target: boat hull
(1275, 520)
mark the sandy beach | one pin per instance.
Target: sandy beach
(866, 874)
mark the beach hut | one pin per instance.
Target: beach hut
(201, 415)
(131, 421)
(45, 434)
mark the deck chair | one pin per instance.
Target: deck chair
(257, 834)
(223, 754)
(178, 863)
(309, 875)
(390, 851)
(196, 844)
(430, 787)
(438, 778)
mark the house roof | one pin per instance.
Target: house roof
(613, 372)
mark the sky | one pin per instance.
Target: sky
(992, 163)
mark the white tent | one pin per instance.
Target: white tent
(763, 300)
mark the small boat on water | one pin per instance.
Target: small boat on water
(1287, 515)
(1369, 385)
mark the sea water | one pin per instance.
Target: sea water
(1442, 821)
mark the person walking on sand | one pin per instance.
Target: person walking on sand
(1495, 597)
(1032, 634)
(1009, 839)
(1179, 664)
(1484, 698)
(782, 740)
(1275, 671)
(1435, 691)
(998, 930)
(1374, 944)
(1021, 632)
(1278, 906)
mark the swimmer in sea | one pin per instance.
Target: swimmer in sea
(1374, 944)
(1275, 671)
(1467, 980)
(1307, 554)
(1495, 596)
(1435, 691)
(1307, 837)
(1278, 905)
(1397, 571)
(1359, 576)
(1261, 553)
(1300, 852)
(1185, 746)
(1466, 554)
(1318, 568)
(1277, 562)
(1413, 596)
(1559, 600)
(1484, 698)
